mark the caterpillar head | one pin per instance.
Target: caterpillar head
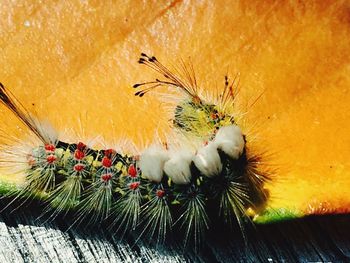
(193, 115)
(200, 119)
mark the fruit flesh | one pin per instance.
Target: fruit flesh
(74, 64)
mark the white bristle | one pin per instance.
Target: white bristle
(207, 160)
(46, 129)
(230, 140)
(152, 162)
(14, 157)
(178, 167)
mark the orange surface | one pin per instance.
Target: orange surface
(77, 60)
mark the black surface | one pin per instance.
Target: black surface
(25, 238)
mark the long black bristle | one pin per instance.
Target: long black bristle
(22, 115)
(188, 85)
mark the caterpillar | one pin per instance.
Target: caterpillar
(207, 174)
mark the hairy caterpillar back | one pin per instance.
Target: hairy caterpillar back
(169, 185)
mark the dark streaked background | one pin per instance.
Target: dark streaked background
(25, 238)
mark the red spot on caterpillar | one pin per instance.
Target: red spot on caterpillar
(81, 146)
(50, 147)
(134, 185)
(51, 158)
(106, 177)
(108, 153)
(213, 115)
(160, 193)
(79, 155)
(132, 171)
(79, 167)
(106, 162)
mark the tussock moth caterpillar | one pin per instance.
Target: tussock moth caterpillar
(167, 186)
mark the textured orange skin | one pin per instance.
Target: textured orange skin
(77, 60)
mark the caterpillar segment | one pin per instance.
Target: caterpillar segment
(161, 189)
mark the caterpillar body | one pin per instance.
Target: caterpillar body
(161, 188)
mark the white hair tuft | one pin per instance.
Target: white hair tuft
(207, 160)
(230, 140)
(178, 166)
(152, 162)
